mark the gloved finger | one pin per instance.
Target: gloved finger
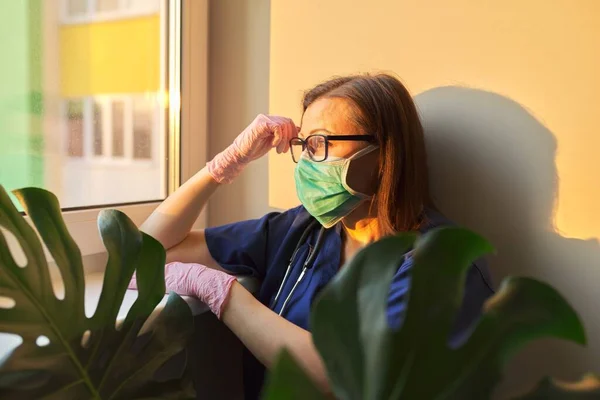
(273, 131)
(293, 132)
(283, 143)
(277, 137)
(287, 136)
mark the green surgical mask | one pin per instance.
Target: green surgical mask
(323, 190)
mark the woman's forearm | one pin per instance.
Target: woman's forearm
(173, 219)
(265, 334)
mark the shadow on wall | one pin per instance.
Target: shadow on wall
(492, 167)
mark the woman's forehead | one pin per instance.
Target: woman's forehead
(333, 115)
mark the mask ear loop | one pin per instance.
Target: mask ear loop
(363, 152)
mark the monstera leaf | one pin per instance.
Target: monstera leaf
(86, 358)
(288, 381)
(365, 359)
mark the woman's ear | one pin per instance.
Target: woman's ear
(362, 173)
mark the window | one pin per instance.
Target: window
(84, 105)
(98, 131)
(75, 128)
(98, 134)
(118, 128)
(107, 5)
(77, 7)
(113, 123)
(143, 127)
(82, 108)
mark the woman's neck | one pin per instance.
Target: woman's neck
(361, 226)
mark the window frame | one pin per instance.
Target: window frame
(186, 51)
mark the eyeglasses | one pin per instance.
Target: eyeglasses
(317, 146)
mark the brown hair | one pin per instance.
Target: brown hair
(385, 109)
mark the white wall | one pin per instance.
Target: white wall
(238, 91)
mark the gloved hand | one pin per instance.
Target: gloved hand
(264, 133)
(188, 279)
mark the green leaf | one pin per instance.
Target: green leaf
(351, 312)
(588, 388)
(288, 381)
(112, 363)
(365, 359)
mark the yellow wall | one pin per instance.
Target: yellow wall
(110, 57)
(543, 54)
(509, 92)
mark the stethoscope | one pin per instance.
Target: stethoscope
(312, 254)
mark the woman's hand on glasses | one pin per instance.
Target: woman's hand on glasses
(263, 134)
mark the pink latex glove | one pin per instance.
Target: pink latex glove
(188, 279)
(264, 133)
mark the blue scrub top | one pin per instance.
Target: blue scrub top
(263, 247)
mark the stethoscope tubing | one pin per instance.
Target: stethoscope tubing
(312, 253)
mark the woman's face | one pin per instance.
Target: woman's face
(332, 117)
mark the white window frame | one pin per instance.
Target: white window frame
(186, 52)
(91, 15)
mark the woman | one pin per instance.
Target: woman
(361, 174)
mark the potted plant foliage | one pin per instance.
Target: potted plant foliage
(86, 358)
(367, 360)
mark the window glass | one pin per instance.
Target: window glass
(98, 133)
(75, 128)
(143, 116)
(107, 5)
(79, 100)
(142, 5)
(118, 118)
(77, 7)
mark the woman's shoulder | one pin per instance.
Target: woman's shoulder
(295, 215)
(286, 221)
(434, 219)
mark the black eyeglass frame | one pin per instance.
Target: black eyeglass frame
(327, 138)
